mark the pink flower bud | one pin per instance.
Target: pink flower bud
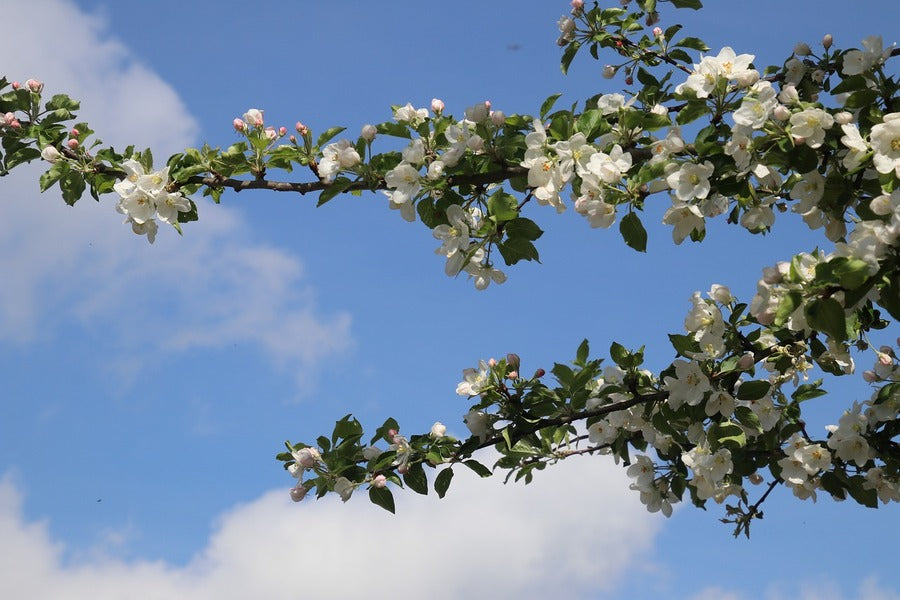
(239, 125)
(403, 469)
(391, 433)
(293, 138)
(16, 85)
(513, 375)
(657, 31)
(629, 80)
(34, 85)
(885, 359)
(282, 131)
(799, 140)
(827, 41)
(513, 360)
(577, 4)
(498, 118)
(73, 143)
(843, 118)
(368, 132)
(73, 133)
(539, 373)
(492, 362)
(437, 106)
(298, 493)
(869, 376)
(15, 124)
(781, 112)
(271, 134)
(380, 481)
(301, 128)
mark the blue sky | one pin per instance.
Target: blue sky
(147, 389)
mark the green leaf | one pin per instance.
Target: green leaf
(581, 355)
(442, 482)
(394, 129)
(827, 314)
(861, 99)
(547, 105)
(328, 134)
(515, 249)
(52, 176)
(753, 390)
(852, 273)
(787, 306)
(337, 186)
(522, 228)
(382, 432)
(692, 111)
(72, 186)
(568, 56)
(808, 391)
(633, 232)
(890, 295)
(503, 206)
(619, 354)
(727, 434)
(866, 497)
(693, 43)
(382, 497)
(479, 468)
(415, 479)
(589, 122)
(694, 4)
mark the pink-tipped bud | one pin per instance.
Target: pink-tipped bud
(492, 362)
(746, 361)
(293, 138)
(657, 32)
(16, 85)
(271, 134)
(781, 112)
(513, 375)
(73, 133)
(368, 132)
(539, 373)
(885, 359)
(498, 118)
(301, 128)
(629, 80)
(34, 85)
(391, 433)
(403, 469)
(577, 4)
(379, 481)
(437, 106)
(73, 143)
(239, 125)
(827, 40)
(298, 493)
(843, 118)
(282, 131)
(869, 376)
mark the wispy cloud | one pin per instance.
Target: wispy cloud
(216, 287)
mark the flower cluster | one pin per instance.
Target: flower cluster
(145, 197)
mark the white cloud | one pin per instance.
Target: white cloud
(576, 527)
(214, 287)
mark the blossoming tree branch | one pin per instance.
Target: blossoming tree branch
(818, 136)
